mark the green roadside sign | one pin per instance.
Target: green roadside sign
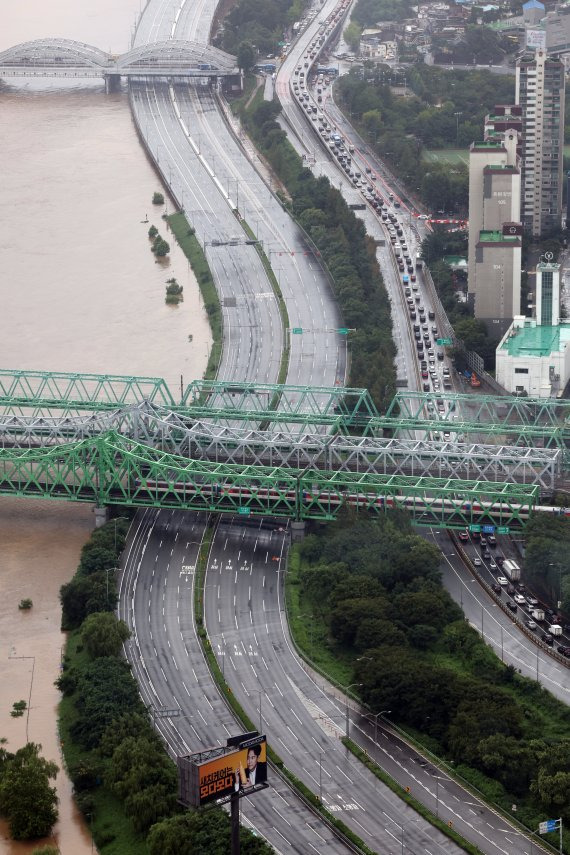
(503, 529)
(474, 527)
(297, 330)
(244, 511)
(443, 342)
(342, 331)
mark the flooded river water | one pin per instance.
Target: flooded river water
(80, 291)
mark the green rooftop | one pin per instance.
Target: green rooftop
(487, 144)
(536, 341)
(497, 237)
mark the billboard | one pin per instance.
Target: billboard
(238, 770)
(536, 39)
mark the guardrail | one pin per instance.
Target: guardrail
(499, 601)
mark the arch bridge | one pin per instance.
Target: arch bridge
(174, 60)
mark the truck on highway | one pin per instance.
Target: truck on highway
(538, 614)
(555, 629)
(512, 570)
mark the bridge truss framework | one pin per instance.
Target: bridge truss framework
(280, 432)
(181, 434)
(113, 470)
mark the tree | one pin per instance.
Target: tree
(472, 332)
(510, 761)
(198, 831)
(103, 634)
(352, 35)
(245, 56)
(348, 614)
(97, 556)
(104, 691)
(84, 595)
(160, 247)
(26, 798)
(372, 120)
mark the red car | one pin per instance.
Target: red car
(463, 535)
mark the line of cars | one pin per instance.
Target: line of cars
(364, 179)
(343, 153)
(538, 618)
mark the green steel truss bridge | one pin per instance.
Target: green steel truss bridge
(327, 444)
(181, 434)
(114, 470)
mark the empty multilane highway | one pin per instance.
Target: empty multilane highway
(156, 601)
(206, 171)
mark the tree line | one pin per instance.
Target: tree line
(547, 558)
(349, 254)
(260, 24)
(115, 756)
(443, 109)
(375, 587)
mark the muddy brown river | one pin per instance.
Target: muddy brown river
(80, 291)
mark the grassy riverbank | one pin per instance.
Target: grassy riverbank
(190, 245)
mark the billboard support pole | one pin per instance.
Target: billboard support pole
(235, 823)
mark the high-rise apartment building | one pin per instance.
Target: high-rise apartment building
(494, 202)
(540, 93)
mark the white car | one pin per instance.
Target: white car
(477, 562)
(423, 216)
(493, 564)
(502, 580)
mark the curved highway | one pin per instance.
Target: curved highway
(246, 622)
(243, 597)
(206, 170)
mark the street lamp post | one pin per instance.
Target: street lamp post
(107, 571)
(116, 520)
(33, 658)
(376, 717)
(557, 564)
(346, 688)
(457, 115)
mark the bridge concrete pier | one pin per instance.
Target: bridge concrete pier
(101, 516)
(297, 531)
(112, 83)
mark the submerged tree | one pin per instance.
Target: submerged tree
(26, 798)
